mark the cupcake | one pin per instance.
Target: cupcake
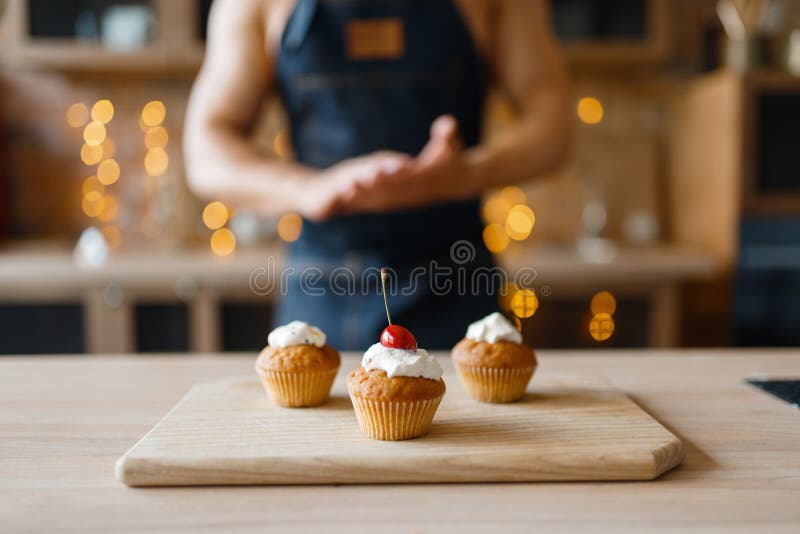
(398, 387)
(492, 362)
(297, 368)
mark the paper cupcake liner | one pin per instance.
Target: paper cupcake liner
(299, 388)
(395, 420)
(487, 384)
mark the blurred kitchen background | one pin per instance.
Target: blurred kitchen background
(675, 223)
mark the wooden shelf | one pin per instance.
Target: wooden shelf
(176, 49)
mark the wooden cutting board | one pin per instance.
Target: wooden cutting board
(565, 428)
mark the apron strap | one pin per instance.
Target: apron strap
(300, 23)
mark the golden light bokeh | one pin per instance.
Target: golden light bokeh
(495, 238)
(156, 137)
(519, 222)
(92, 184)
(215, 215)
(495, 210)
(513, 195)
(590, 110)
(154, 113)
(94, 134)
(110, 209)
(113, 236)
(156, 162)
(524, 303)
(103, 111)
(91, 155)
(603, 302)
(77, 115)
(223, 242)
(281, 145)
(92, 204)
(108, 172)
(601, 327)
(290, 227)
(109, 149)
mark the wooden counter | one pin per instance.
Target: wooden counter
(64, 421)
(109, 293)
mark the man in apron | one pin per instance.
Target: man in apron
(385, 101)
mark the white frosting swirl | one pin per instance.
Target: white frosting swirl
(493, 328)
(402, 362)
(296, 333)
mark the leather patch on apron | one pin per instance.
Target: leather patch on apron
(375, 39)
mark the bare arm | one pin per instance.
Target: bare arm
(531, 67)
(221, 160)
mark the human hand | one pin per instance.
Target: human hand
(439, 173)
(327, 191)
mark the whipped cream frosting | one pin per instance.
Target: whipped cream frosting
(402, 362)
(296, 333)
(494, 328)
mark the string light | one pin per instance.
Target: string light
(223, 242)
(495, 210)
(524, 303)
(601, 327)
(290, 227)
(92, 184)
(495, 238)
(603, 302)
(103, 111)
(109, 149)
(512, 195)
(156, 162)
(519, 222)
(154, 113)
(110, 209)
(215, 215)
(590, 110)
(92, 204)
(156, 137)
(94, 134)
(91, 155)
(77, 115)
(108, 172)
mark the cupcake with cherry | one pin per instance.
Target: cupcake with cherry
(492, 361)
(398, 387)
(297, 367)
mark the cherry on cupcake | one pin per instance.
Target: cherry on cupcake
(395, 336)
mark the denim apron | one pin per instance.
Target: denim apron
(341, 107)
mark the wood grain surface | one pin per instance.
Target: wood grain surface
(64, 421)
(565, 428)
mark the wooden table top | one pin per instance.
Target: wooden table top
(65, 420)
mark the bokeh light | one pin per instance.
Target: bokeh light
(156, 162)
(153, 113)
(590, 110)
(601, 327)
(92, 204)
(495, 210)
(495, 238)
(91, 155)
(113, 236)
(223, 242)
(519, 222)
(513, 195)
(103, 111)
(94, 134)
(290, 226)
(156, 137)
(77, 115)
(524, 303)
(603, 302)
(92, 184)
(215, 215)
(110, 209)
(108, 172)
